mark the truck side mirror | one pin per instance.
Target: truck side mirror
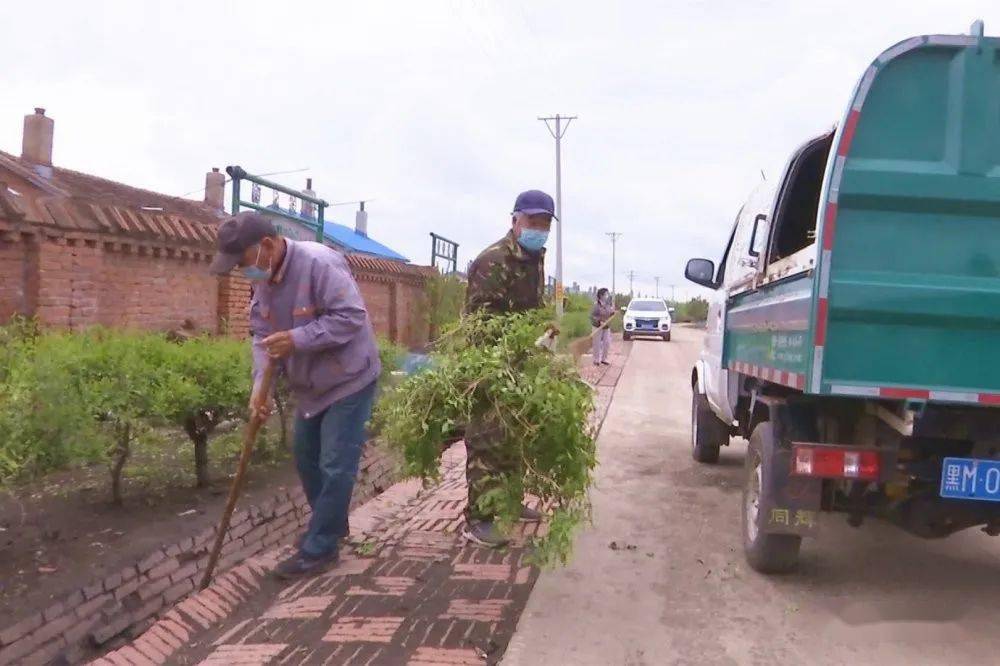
(624, 309)
(671, 310)
(701, 271)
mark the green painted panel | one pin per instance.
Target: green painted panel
(783, 350)
(914, 295)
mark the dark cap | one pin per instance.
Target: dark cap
(236, 234)
(534, 202)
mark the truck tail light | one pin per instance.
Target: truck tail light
(835, 462)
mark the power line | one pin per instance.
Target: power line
(229, 180)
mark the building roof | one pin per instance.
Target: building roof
(355, 242)
(347, 238)
(77, 201)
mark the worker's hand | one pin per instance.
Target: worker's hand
(279, 345)
(260, 409)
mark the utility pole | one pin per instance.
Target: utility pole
(657, 279)
(557, 134)
(614, 236)
(631, 277)
(673, 299)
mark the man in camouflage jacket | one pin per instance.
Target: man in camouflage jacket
(506, 277)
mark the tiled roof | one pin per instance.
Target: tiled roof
(379, 265)
(77, 201)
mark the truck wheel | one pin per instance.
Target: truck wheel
(626, 337)
(666, 337)
(708, 433)
(766, 553)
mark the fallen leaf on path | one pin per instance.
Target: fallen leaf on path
(47, 570)
(187, 513)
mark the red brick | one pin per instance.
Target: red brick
(164, 569)
(104, 632)
(88, 608)
(185, 572)
(126, 589)
(175, 592)
(151, 561)
(164, 636)
(93, 590)
(148, 649)
(136, 657)
(175, 629)
(213, 603)
(150, 590)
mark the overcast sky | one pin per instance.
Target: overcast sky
(429, 108)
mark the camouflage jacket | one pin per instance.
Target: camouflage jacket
(505, 278)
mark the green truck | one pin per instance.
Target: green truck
(853, 335)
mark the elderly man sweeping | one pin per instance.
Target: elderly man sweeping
(307, 315)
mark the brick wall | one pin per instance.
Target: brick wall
(127, 602)
(79, 280)
(234, 300)
(84, 282)
(18, 265)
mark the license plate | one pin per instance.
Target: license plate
(968, 478)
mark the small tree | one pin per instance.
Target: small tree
(201, 382)
(445, 301)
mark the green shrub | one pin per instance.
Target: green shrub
(489, 368)
(69, 398)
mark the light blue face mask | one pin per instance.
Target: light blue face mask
(255, 273)
(532, 240)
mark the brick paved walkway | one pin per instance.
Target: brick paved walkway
(412, 592)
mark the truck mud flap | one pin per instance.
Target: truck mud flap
(789, 504)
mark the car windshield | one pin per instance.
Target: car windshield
(647, 306)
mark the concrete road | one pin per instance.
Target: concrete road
(675, 589)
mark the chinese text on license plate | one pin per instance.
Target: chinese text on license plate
(965, 478)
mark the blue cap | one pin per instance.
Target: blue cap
(534, 202)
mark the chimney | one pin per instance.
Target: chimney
(215, 189)
(308, 209)
(361, 221)
(36, 144)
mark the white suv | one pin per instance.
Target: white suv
(647, 316)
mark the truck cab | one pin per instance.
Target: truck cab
(852, 328)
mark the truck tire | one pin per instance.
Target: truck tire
(708, 433)
(666, 337)
(766, 553)
(626, 337)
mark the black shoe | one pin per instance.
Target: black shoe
(302, 537)
(605, 363)
(301, 565)
(529, 515)
(485, 533)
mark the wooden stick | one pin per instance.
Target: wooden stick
(249, 438)
(598, 329)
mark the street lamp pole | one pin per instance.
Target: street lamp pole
(557, 133)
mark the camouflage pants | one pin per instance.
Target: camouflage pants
(486, 461)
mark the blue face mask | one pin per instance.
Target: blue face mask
(532, 240)
(255, 273)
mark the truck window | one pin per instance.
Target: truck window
(721, 273)
(795, 219)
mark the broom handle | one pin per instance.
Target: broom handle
(249, 438)
(601, 327)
